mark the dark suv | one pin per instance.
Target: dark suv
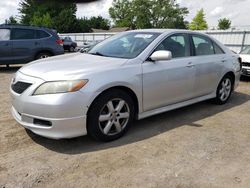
(22, 44)
(69, 44)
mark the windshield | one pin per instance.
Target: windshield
(125, 45)
(246, 50)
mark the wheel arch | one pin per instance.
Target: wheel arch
(43, 51)
(126, 89)
(232, 75)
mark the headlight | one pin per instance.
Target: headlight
(60, 87)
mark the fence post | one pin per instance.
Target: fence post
(243, 41)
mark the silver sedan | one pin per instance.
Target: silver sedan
(131, 75)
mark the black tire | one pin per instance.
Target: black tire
(71, 48)
(96, 127)
(219, 99)
(43, 55)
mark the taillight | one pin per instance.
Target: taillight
(240, 62)
(59, 41)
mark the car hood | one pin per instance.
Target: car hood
(70, 66)
(245, 58)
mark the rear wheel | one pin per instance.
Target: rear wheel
(110, 115)
(43, 55)
(224, 90)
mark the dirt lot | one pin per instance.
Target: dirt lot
(202, 145)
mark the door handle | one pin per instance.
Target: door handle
(190, 65)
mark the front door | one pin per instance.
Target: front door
(171, 81)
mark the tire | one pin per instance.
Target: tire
(71, 48)
(224, 90)
(110, 115)
(43, 55)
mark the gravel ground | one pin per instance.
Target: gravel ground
(202, 145)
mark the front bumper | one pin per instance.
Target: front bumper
(60, 128)
(245, 70)
(53, 116)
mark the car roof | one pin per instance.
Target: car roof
(23, 26)
(161, 31)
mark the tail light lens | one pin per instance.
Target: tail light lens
(59, 41)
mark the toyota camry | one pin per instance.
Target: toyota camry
(132, 75)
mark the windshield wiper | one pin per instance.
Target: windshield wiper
(97, 53)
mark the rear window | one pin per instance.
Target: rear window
(41, 34)
(202, 45)
(21, 34)
(217, 49)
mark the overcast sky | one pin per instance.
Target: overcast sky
(236, 10)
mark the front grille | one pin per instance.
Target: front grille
(20, 87)
(245, 64)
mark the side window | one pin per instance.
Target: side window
(202, 45)
(41, 34)
(21, 34)
(177, 44)
(217, 49)
(4, 34)
(68, 39)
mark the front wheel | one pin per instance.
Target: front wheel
(72, 49)
(110, 115)
(224, 90)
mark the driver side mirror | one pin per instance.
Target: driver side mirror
(161, 55)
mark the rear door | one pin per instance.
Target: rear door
(5, 46)
(24, 44)
(208, 60)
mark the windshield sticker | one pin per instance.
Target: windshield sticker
(145, 36)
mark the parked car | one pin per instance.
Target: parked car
(87, 46)
(132, 75)
(22, 44)
(245, 56)
(69, 44)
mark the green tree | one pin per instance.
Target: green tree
(99, 23)
(148, 14)
(84, 25)
(65, 21)
(168, 14)
(60, 15)
(224, 23)
(41, 20)
(11, 20)
(199, 22)
(122, 13)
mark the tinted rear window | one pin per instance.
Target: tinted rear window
(202, 45)
(20, 34)
(217, 49)
(41, 34)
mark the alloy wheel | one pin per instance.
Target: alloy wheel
(225, 90)
(114, 116)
